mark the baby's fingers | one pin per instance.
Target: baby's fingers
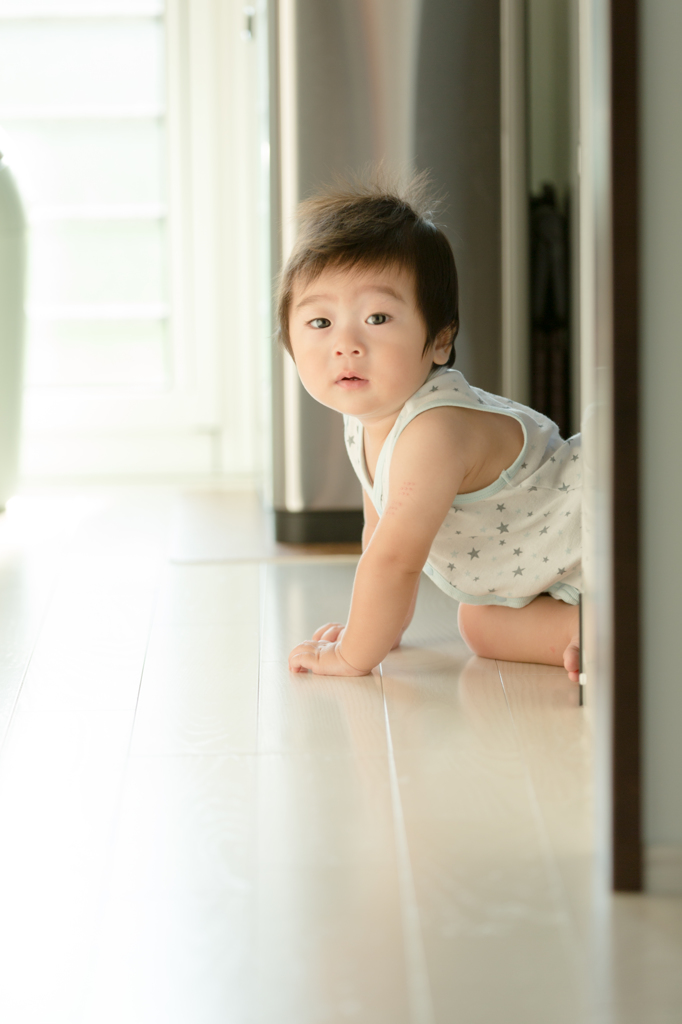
(303, 658)
(330, 631)
(333, 634)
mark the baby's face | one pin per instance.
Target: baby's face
(358, 340)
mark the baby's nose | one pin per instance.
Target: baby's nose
(349, 343)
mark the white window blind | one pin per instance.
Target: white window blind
(84, 101)
(123, 118)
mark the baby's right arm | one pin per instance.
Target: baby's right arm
(427, 468)
(332, 631)
(428, 465)
(371, 519)
(371, 523)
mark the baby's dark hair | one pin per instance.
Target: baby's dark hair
(354, 224)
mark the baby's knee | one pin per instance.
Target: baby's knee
(475, 627)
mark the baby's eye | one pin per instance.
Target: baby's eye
(377, 318)
(319, 322)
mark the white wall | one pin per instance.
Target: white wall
(661, 369)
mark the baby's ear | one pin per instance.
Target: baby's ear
(442, 346)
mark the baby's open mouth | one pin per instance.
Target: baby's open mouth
(350, 380)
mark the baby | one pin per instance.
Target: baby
(479, 492)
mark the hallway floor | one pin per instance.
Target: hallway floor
(191, 835)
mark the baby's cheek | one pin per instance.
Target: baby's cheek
(311, 378)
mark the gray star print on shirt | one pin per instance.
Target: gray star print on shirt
(503, 528)
(545, 529)
(450, 565)
(518, 570)
(473, 553)
(434, 388)
(564, 487)
(518, 551)
(501, 508)
(561, 571)
(351, 440)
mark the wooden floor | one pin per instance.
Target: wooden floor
(190, 835)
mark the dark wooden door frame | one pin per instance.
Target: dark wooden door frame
(626, 722)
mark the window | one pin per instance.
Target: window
(134, 132)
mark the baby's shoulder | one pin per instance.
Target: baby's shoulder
(455, 424)
(439, 431)
(476, 445)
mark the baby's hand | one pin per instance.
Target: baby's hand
(323, 658)
(332, 632)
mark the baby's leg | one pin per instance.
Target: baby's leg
(545, 632)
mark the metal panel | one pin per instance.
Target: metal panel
(410, 84)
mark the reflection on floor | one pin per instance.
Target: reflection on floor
(190, 834)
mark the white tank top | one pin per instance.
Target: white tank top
(518, 537)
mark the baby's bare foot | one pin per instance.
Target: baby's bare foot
(572, 658)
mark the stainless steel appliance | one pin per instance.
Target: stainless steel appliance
(414, 84)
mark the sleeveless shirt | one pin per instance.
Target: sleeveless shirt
(508, 542)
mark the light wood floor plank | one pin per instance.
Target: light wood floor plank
(495, 927)
(329, 927)
(60, 779)
(318, 714)
(186, 825)
(330, 943)
(91, 649)
(199, 691)
(300, 597)
(302, 713)
(555, 738)
(173, 959)
(33, 537)
(175, 942)
(25, 587)
(330, 946)
(234, 527)
(255, 847)
(326, 810)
